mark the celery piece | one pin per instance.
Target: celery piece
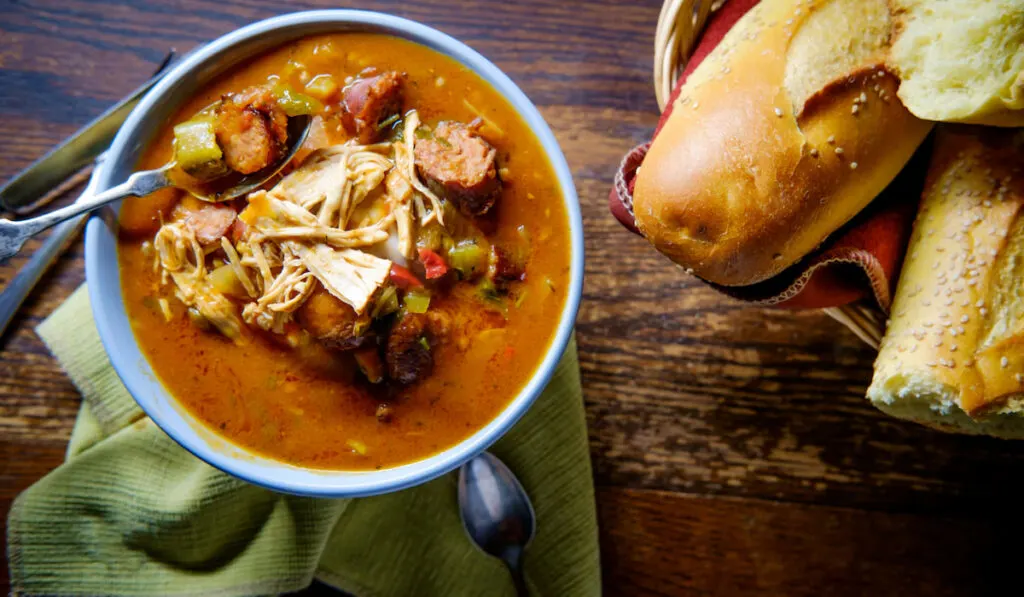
(196, 150)
(294, 103)
(469, 258)
(417, 301)
(387, 302)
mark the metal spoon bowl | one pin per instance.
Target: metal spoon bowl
(13, 234)
(496, 513)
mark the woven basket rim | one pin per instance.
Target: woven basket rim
(679, 26)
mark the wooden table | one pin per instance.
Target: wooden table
(733, 450)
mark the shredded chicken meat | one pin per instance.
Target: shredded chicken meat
(325, 222)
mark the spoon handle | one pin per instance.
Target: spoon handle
(514, 560)
(14, 234)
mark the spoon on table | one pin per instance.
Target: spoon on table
(497, 513)
(13, 234)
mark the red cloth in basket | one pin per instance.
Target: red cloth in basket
(862, 259)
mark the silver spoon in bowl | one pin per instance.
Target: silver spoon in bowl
(496, 513)
(13, 234)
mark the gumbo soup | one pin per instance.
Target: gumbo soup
(383, 297)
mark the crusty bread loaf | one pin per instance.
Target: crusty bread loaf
(953, 354)
(961, 60)
(788, 129)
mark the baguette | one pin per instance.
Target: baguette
(787, 130)
(961, 60)
(953, 354)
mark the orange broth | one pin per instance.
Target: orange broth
(281, 403)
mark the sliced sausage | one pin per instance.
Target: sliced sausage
(408, 353)
(370, 101)
(208, 221)
(332, 322)
(251, 129)
(460, 164)
(503, 268)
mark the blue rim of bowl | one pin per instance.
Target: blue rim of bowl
(264, 471)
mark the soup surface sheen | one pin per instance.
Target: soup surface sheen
(274, 400)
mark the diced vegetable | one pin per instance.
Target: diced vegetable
(417, 301)
(294, 103)
(387, 302)
(403, 278)
(369, 362)
(430, 237)
(226, 282)
(491, 298)
(357, 446)
(323, 88)
(196, 150)
(469, 258)
(433, 264)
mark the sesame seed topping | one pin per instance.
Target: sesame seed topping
(930, 364)
(863, 97)
(814, 152)
(964, 319)
(1004, 362)
(855, 109)
(983, 311)
(778, 112)
(832, 139)
(695, 104)
(839, 151)
(853, 165)
(1019, 377)
(953, 348)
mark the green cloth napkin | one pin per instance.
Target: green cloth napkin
(132, 513)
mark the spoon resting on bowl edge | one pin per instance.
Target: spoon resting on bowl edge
(13, 234)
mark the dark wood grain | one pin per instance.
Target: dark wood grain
(703, 412)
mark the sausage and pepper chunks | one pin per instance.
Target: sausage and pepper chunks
(251, 129)
(369, 101)
(408, 352)
(459, 164)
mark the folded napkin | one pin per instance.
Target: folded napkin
(860, 260)
(132, 513)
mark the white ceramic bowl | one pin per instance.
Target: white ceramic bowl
(103, 275)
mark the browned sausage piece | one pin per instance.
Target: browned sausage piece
(460, 164)
(208, 221)
(408, 350)
(370, 101)
(251, 129)
(332, 322)
(503, 268)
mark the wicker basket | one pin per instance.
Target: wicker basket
(679, 27)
